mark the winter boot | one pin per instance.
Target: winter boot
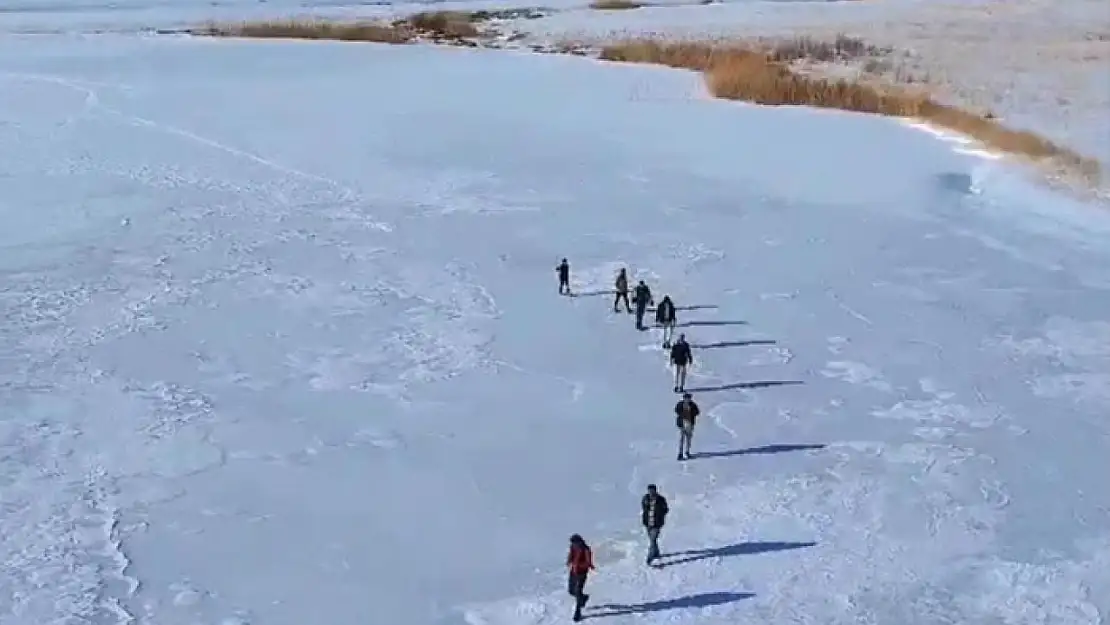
(579, 604)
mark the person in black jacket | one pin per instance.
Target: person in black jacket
(681, 357)
(653, 513)
(641, 297)
(686, 416)
(563, 269)
(665, 317)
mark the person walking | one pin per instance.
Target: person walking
(665, 316)
(653, 513)
(686, 417)
(621, 285)
(580, 562)
(681, 357)
(563, 269)
(642, 298)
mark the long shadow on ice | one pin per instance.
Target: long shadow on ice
(701, 600)
(765, 449)
(693, 324)
(743, 385)
(721, 344)
(593, 293)
(739, 549)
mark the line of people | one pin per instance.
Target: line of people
(653, 506)
(666, 317)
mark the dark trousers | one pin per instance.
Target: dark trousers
(576, 587)
(640, 310)
(564, 284)
(622, 296)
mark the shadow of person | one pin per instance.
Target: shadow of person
(700, 600)
(739, 549)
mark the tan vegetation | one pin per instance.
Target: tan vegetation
(310, 29)
(1040, 61)
(432, 25)
(447, 24)
(738, 72)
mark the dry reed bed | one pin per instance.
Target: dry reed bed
(736, 72)
(440, 26)
(308, 29)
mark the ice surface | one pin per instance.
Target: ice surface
(280, 344)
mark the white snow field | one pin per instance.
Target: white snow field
(280, 345)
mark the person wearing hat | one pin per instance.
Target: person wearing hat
(686, 416)
(579, 564)
(653, 513)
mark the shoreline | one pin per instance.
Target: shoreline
(923, 48)
(842, 72)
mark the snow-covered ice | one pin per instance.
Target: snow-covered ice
(281, 345)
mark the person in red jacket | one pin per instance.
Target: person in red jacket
(580, 562)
